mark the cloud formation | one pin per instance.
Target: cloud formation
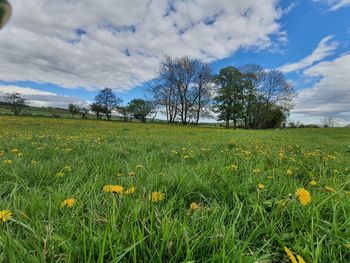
(117, 43)
(39, 98)
(335, 4)
(324, 49)
(330, 96)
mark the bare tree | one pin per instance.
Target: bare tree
(328, 122)
(16, 102)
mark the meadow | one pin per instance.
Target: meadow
(98, 191)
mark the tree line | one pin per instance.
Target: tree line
(186, 90)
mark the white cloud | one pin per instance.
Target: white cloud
(117, 43)
(330, 96)
(324, 49)
(335, 4)
(41, 98)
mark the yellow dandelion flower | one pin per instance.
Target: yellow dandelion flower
(313, 182)
(289, 172)
(304, 196)
(132, 174)
(270, 177)
(70, 202)
(157, 197)
(139, 166)
(20, 154)
(194, 206)
(234, 167)
(14, 150)
(290, 255)
(347, 192)
(34, 162)
(67, 168)
(256, 171)
(2, 153)
(113, 189)
(119, 174)
(7, 161)
(300, 259)
(5, 215)
(130, 191)
(60, 174)
(330, 189)
(261, 186)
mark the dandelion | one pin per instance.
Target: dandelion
(34, 162)
(132, 174)
(313, 182)
(290, 255)
(119, 174)
(113, 189)
(330, 189)
(14, 150)
(130, 191)
(234, 167)
(67, 168)
(194, 206)
(304, 196)
(139, 166)
(7, 161)
(256, 171)
(20, 154)
(2, 153)
(5, 215)
(157, 197)
(70, 202)
(60, 174)
(261, 186)
(270, 177)
(289, 172)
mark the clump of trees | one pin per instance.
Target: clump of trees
(15, 101)
(253, 97)
(250, 96)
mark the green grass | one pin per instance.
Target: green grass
(236, 222)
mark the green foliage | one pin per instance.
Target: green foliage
(140, 108)
(216, 168)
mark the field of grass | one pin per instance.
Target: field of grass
(218, 195)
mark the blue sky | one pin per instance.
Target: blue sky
(68, 50)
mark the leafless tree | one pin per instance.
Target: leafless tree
(16, 102)
(328, 122)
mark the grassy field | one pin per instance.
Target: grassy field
(81, 191)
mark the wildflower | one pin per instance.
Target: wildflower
(330, 189)
(7, 161)
(270, 177)
(313, 182)
(139, 166)
(256, 171)
(67, 168)
(132, 174)
(304, 196)
(20, 154)
(113, 189)
(14, 150)
(157, 197)
(261, 186)
(34, 162)
(2, 153)
(60, 174)
(289, 172)
(70, 202)
(130, 191)
(233, 167)
(119, 174)
(5, 215)
(194, 206)
(290, 255)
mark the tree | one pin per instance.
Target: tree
(73, 109)
(125, 112)
(228, 102)
(328, 122)
(5, 12)
(16, 102)
(108, 100)
(97, 109)
(83, 111)
(140, 108)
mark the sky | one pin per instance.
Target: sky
(56, 52)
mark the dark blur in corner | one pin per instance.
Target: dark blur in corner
(5, 12)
